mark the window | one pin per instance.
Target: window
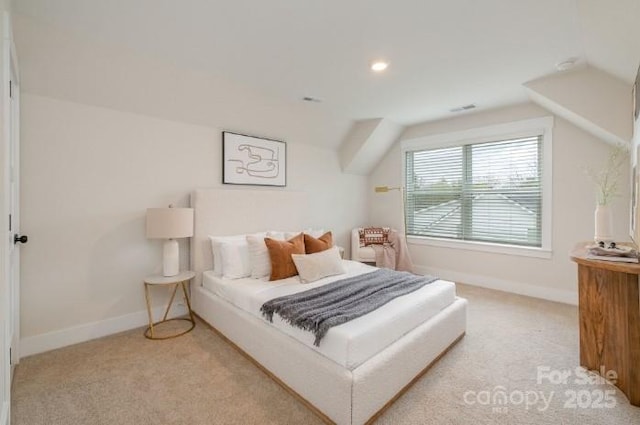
(487, 189)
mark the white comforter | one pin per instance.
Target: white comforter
(354, 342)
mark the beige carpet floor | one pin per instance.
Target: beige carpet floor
(199, 379)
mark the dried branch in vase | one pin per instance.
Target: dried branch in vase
(607, 180)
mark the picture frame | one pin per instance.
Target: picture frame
(255, 161)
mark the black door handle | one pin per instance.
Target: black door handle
(21, 239)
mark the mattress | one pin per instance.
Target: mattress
(351, 343)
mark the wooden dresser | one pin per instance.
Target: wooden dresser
(609, 308)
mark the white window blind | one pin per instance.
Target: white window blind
(489, 192)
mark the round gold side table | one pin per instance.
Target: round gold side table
(181, 279)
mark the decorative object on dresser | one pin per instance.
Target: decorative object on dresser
(182, 280)
(170, 224)
(609, 316)
(606, 181)
(253, 160)
(611, 252)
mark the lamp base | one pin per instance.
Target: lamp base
(170, 258)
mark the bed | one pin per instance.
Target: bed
(360, 367)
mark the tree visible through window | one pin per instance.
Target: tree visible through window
(489, 192)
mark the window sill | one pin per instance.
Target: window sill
(481, 246)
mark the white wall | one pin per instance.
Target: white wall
(573, 209)
(590, 99)
(89, 173)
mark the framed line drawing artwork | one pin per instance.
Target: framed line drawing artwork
(253, 160)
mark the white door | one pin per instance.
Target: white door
(16, 239)
(10, 281)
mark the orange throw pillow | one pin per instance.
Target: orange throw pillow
(313, 245)
(282, 265)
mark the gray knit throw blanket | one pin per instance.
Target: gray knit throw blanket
(319, 309)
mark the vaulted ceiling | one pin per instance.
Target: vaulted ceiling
(442, 53)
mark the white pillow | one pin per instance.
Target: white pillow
(216, 241)
(215, 248)
(312, 267)
(259, 254)
(276, 235)
(235, 259)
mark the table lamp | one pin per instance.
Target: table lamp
(170, 224)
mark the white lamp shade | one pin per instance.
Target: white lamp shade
(169, 223)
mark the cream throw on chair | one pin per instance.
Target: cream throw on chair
(395, 254)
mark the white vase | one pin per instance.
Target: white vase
(603, 224)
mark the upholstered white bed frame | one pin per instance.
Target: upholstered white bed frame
(337, 394)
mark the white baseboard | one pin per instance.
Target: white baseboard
(81, 333)
(535, 291)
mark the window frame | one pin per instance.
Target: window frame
(525, 128)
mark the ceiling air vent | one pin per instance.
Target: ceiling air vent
(463, 108)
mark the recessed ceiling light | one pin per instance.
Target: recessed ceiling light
(311, 99)
(379, 66)
(567, 64)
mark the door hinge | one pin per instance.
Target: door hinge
(10, 89)
(9, 222)
(10, 357)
